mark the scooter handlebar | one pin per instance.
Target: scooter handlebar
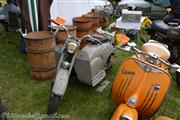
(131, 47)
(176, 67)
(64, 27)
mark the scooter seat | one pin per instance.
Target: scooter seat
(160, 26)
(103, 38)
(174, 35)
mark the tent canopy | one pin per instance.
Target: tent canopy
(68, 9)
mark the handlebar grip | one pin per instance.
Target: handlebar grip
(176, 67)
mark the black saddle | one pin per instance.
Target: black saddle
(173, 33)
(160, 26)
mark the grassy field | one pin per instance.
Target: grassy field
(23, 95)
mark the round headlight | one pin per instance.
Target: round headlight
(132, 101)
(72, 47)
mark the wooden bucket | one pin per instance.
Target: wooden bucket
(106, 22)
(62, 35)
(84, 26)
(95, 18)
(103, 20)
(40, 54)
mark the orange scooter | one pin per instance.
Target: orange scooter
(142, 81)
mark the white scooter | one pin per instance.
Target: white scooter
(90, 64)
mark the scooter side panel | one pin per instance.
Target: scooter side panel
(107, 51)
(92, 60)
(101, 50)
(141, 81)
(93, 51)
(82, 68)
(125, 81)
(96, 66)
(156, 86)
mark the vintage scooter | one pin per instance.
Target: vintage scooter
(68, 53)
(142, 81)
(89, 62)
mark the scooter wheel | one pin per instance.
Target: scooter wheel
(178, 79)
(53, 104)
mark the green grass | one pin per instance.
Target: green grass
(23, 95)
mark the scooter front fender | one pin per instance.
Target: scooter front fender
(123, 112)
(61, 82)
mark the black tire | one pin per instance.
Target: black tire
(178, 79)
(53, 104)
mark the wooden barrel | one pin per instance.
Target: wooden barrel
(40, 54)
(84, 26)
(103, 20)
(95, 18)
(106, 22)
(62, 35)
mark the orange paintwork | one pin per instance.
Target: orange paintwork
(145, 82)
(123, 109)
